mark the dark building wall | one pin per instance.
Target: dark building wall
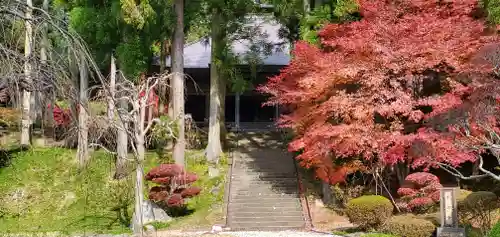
(251, 109)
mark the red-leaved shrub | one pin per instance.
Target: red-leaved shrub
(62, 117)
(173, 186)
(420, 191)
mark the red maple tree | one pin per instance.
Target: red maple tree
(375, 89)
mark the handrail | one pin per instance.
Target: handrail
(303, 197)
(227, 188)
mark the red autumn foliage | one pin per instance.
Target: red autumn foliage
(190, 192)
(379, 89)
(420, 189)
(62, 117)
(158, 193)
(164, 170)
(161, 180)
(175, 200)
(174, 184)
(183, 179)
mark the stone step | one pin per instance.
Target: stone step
(255, 171)
(263, 170)
(264, 197)
(252, 203)
(255, 192)
(266, 188)
(280, 212)
(265, 202)
(265, 162)
(254, 218)
(272, 176)
(245, 196)
(243, 181)
(277, 161)
(266, 168)
(264, 183)
(255, 208)
(263, 193)
(263, 179)
(267, 226)
(268, 172)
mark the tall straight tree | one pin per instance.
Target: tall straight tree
(214, 146)
(49, 96)
(178, 81)
(112, 85)
(227, 19)
(28, 50)
(83, 131)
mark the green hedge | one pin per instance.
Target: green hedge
(369, 211)
(408, 226)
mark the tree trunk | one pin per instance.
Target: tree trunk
(139, 187)
(163, 94)
(48, 111)
(402, 171)
(326, 191)
(83, 152)
(214, 148)
(222, 114)
(139, 171)
(122, 139)
(169, 97)
(178, 82)
(112, 89)
(26, 121)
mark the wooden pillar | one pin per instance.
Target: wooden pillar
(237, 110)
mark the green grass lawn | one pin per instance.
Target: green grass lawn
(42, 191)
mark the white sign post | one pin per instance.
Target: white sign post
(449, 217)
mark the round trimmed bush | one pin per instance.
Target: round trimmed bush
(369, 211)
(481, 199)
(495, 232)
(462, 195)
(478, 209)
(408, 226)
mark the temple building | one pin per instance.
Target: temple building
(242, 110)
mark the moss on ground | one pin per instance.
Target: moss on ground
(41, 190)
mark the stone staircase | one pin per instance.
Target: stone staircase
(263, 192)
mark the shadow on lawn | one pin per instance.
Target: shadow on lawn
(98, 223)
(6, 155)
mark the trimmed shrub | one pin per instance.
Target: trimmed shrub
(477, 209)
(462, 194)
(369, 211)
(9, 117)
(174, 185)
(408, 226)
(378, 235)
(495, 232)
(420, 191)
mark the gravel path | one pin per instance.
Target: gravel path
(278, 234)
(245, 234)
